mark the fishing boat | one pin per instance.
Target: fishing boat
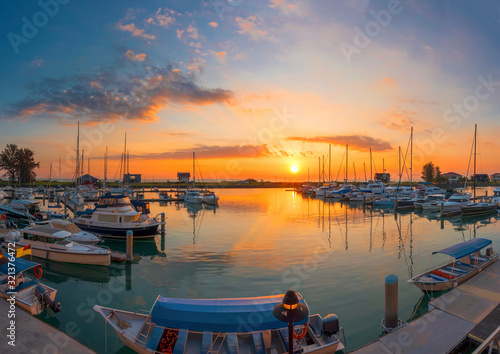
(30, 295)
(53, 244)
(113, 216)
(241, 325)
(466, 261)
(76, 234)
(27, 211)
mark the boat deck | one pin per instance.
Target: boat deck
(471, 310)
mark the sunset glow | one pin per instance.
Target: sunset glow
(294, 169)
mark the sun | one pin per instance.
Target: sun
(294, 169)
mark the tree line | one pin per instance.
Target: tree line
(18, 164)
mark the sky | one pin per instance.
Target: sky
(252, 87)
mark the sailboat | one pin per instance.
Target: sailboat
(198, 196)
(483, 206)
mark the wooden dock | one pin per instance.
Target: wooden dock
(472, 310)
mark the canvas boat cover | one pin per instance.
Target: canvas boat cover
(19, 264)
(219, 315)
(466, 248)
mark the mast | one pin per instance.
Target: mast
(364, 169)
(59, 168)
(475, 136)
(124, 160)
(399, 168)
(329, 163)
(383, 167)
(346, 163)
(411, 158)
(50, 175)
(354, 167)
(105, 168)
(371, 172)
(88, 167)
(83, 154)
(323, 171)
(77, 172)
(319, 171)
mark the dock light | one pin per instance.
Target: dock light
(290, 310)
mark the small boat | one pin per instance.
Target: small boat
(27, 211)
(77, 234)
(163, 195)
(53, 244)
(484, 206)
(226, 326)
(113, 216)
(466, 262)
(30, 295)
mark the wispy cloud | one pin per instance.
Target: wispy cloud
(355, 142)
(163, 18)
(252, 26)
(109, 95)
(136, 32)
(132, 57)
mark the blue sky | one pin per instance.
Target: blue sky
(212, 76)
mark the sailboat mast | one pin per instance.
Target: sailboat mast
(475, 142)
(364, 169)
(399, 169)
(194, 170)
(329, 163)
(105, 168)
(77, 172)
(371, 172)
(319, 171)
(354, 167)
(346, 163)
(83, 154)
(124, 160)
(411, 158)
(50, 175)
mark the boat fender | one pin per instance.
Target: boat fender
(331, 325)
(43, 297)
(3, 217)
(302, 334)
(38, 272)
(35, 216)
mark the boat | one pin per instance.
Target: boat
(2, 195)
(113, 216)
(52, 244)
(431, 202)
(239, 325)
(453, 206)
(27, 211)
(466, 261)
(30, 295)
(193, 196)
(76, 234)
(209, 198)
(321, 191)
(339, 192)
(496, 196)
(163, 196)
(6, 226)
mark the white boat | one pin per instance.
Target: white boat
(496, 196)
(431, 203)
(163, 195)
(225, 326)
(30, 295)
(454, 203)
(2, 195)
(193, 196)
(52, 244)
(321, 191)
(76, 234)
(113, 216)
(340, 191)
(27, 211)
(210, 198)
(484, 206)
(74, 197)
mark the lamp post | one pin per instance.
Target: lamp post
(290, 310)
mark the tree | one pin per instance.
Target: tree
(428, 172)
(18, 163)
(439, 177)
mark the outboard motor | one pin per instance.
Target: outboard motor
(331, 325)
(43, 297)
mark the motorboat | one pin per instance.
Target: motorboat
(72, 196)
(193, 196)
(27, 211)
(496, 196)
(454, 203)
(339, 192)
(374, 187)
(113, 216)
(483, 206)
(210, 198)
(163, 196)
(466, 261)
(6, 226)
(30, 295)
(429, 202)
(77, 234)
(53, 244)
(230, 326)
(321, 191)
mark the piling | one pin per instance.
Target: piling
(130, 245)
(391, 302)
(162, 223)
(442, 209)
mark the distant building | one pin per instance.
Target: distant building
(183, 177)
(495, 177)
(131, 178)
(87, 179)
(383, 177)
(480, 178)
(452, 177)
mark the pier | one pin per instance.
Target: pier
(34, 336)
(472, 310)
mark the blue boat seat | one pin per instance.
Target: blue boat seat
(258, 343)
(466, 265)
(180, 343)
(155, 338)
(206, 342)
(480, 259)
(284, 336)
(456, 270)
(232, 343)
(437, 277)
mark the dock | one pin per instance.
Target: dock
(35, 336)
(472, 310)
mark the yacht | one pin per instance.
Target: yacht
(210, 198)
(27, 211)
(53, 244)
(339, 192)
(321, 191)
(76, 234)
(193, 196)
(484, 206)
(374, 187)
(113, 216)
(429, 200)
(454, 203)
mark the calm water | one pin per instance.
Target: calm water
(260, 242)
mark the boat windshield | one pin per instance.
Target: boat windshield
(114, 201)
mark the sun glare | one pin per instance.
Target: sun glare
(294, 169)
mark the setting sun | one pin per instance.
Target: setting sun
(294, 169)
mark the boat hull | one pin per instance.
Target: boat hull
(67, 257)
(28, 302)
(146, 232)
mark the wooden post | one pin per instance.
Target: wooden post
(391, 301)
(130, 245)
(162, 223)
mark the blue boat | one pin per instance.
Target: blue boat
(466, 261)
(239, 325)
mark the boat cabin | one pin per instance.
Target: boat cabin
(46, 235)
(113, 201)
(141, 207)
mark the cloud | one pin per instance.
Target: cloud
(282, 5)
(192, 32)
(389, 81)
(355, 142)
(136, 32)
(110, 96)
(163, 18)
(220, 55)
(398, 119)
(132, 57)
(250, 27)
(196, 64)
(179, 33)
(213, 24)
(37, 62)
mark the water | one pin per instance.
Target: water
(260, 242)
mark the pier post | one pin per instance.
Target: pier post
(163, 223)
(441, 210)
(391, 301)
(130, 245)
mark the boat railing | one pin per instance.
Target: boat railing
(492, 342)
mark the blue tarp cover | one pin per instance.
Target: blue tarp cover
(219, 315)
(20, 265)
(464, 249)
